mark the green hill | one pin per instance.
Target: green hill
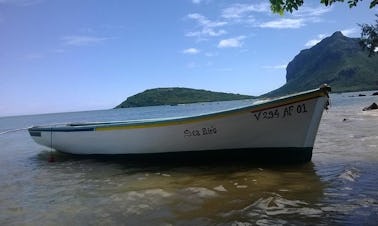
(174, 96)
(338, 61)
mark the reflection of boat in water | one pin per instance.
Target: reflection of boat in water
(225, 192)
(282, 127)
(288, 192)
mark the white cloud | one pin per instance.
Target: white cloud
(284, 24)
(276, 67)
(244, 13)
(191, 51)
(196, 1)
(315, 41)
(202, 20)
(350, 32)
(231, 42)
(312, 42)
(79, 40)
(207, 28)
(242, 10)
(299, 18)
(305, 11)
(206, 32)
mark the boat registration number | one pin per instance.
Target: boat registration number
(280, 113)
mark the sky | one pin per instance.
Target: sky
(62, 56)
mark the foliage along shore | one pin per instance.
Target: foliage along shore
(176, 95)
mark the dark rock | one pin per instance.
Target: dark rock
(373, 106)
(361, 95)
(375, 94)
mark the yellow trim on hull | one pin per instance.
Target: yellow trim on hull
(250, 109)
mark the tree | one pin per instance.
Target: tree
(369, 37)
(280, 6)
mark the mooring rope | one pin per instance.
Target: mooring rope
(13, 130)
(51, 138)
(51, 156)
(26, 128)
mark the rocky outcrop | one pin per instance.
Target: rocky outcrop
(373, 106)
(338, 61)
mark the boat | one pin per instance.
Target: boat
(283, 127)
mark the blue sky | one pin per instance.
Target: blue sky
(59, 56)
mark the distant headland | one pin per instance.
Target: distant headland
(176, 95)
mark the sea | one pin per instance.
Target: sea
(338, 187)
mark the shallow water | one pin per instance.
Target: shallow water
(339, 186)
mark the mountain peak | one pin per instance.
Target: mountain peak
(337, 34)
(336, 60)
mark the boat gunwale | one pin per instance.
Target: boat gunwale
(159, 122)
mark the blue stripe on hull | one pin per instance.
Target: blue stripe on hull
(35, 130)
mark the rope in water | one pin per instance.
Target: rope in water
(51, 156)
(13, 130)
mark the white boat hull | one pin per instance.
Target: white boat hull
(286, 123)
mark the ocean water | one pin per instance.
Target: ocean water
(338, 187)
